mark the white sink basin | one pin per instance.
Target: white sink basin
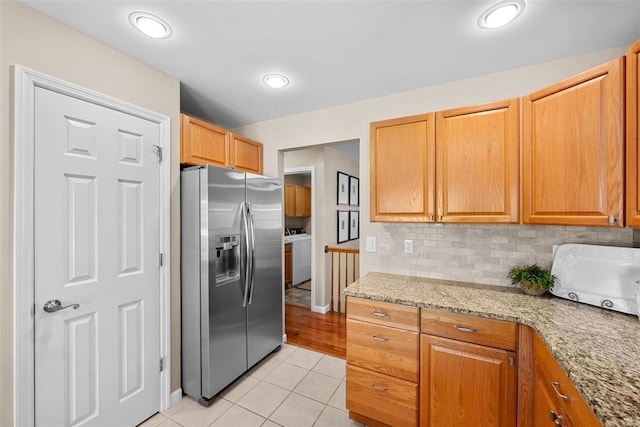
(605, 276)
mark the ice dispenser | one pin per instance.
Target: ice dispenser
(227, 258)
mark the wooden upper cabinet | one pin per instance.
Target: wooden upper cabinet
(245, 154)
(573, 148)
(202, 142)
(289, 200)
(303, 201)
(403, 169)
(478, 163)
(633, 135)
(297, 201)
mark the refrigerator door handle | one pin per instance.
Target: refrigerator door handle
(253, 251)
(245, 297)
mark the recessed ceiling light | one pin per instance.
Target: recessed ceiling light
(501, 13)
(150, 25)
(275, 81)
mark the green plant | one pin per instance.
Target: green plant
(533, 277)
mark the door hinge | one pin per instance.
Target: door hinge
(159, 153)
(161, 260)
(161, 364)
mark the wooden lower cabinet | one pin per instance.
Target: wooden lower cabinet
(382, 363)
(288, 265)
(432, 368)
(382, 398)
(463, 384)
(556, 400)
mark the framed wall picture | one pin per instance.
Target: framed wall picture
(343, 188)
(343, 226)
(354, 191)
(354, 225)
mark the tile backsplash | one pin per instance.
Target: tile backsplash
(482, 253)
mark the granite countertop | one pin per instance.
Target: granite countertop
(598, 349)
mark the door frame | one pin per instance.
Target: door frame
(25, 83)
(312, 170)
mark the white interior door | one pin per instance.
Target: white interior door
(97, 232)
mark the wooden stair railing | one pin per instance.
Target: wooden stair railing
(341, 255)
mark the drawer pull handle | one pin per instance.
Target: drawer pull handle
(379, 339)
(463, 329)
(378, 388)
(378, 314)
(555, 385)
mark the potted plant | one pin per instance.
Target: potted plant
(533, 280)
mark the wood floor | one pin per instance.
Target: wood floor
(320, 332)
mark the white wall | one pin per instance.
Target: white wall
(33, 40)
(351, 121)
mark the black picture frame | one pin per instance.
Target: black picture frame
(354, 225)
(343, 226)
(342, 189)
(354, 191)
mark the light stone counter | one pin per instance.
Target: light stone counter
(598, 349)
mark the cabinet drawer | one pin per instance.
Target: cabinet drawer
(383, 313)
(477, 330)
(573, 405)
(381, 397)
(386, 350)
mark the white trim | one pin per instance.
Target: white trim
(25, 82)
(176, 396)
(312, 169)
(320, 309)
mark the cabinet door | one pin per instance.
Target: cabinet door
(545, 405)
(633, 135)
(552, 381)
(300, 212)
(289, 200)
(573, 148)
(477, 163)
(464, 384)
(402, 157)
(306, 201)
(245, 154)
(202, 142)
(287, 264)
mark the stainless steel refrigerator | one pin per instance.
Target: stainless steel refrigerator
(231, 275)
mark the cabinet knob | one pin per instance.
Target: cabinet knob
(612, 219)
(557, 419)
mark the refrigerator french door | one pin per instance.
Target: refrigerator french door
(231, 275)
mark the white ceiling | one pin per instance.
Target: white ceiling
(336, 52)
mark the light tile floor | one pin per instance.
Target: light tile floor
(294, 387)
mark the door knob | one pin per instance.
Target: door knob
(54, 305)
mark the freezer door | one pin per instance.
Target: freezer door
(264, 326)
(223, 317)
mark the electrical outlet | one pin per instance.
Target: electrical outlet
(371, 243)
(408, 246)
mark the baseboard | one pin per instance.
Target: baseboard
(321, 309)
(284, 338)
(176, 396)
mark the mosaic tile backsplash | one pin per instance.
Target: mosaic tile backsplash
(482, 253)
